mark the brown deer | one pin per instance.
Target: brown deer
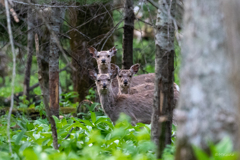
(137, 106)
(128, 84)
(126, 81)
(103, 59)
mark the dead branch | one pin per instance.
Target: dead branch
(13, 73)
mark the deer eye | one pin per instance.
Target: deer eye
(108, 56)
(119, 76)
(98, 80)
(97, 56)
(130, 76)
(109, 79)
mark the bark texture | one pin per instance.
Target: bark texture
(43, 82)
(206, 107)
(54, 61)
(164, 68)
(232, 26)
(128, 28)
(88, 34)
(30, 39)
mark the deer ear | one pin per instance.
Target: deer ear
(113, 51)
(92, 74)
(114, 71)
(114, 68)
(134, 68)
(93, 52)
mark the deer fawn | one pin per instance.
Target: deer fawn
(137, 106)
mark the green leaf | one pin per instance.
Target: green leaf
(55, 119)
(19, 137)
(93, 117)
(87, 122)
(201, 155)
(225, 145)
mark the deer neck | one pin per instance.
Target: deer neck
(123, 89)
(107, 100)
(104, 69)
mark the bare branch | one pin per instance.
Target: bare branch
(13, 73)
(153, 3)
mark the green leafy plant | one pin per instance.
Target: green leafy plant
(67, 99)
(220, 151)
(96, 138)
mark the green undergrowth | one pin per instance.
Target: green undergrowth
(95, 138)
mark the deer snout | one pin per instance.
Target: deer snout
(104, 85)
(103, 60)
(125, 82)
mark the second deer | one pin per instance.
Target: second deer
(137, 106)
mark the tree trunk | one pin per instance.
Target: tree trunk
(206, 106)
(90, 34)
(164, 68)
(232, 26)
(54, 61)
(43, 82)
(128, 28)
(30, 38)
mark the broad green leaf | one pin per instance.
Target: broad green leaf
(19, 137)
(225, 146)
(93, 117)
(201, 155)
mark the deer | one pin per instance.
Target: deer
(126, 81)
(137, 106)
(103, 59)
(128, 84)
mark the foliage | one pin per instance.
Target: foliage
(220, 151)
(90, 106)
(67, 98)
(97, 138)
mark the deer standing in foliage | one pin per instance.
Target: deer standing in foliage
(137, 106)
(103, 59)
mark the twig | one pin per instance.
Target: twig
(44, 5)
(144, 22)
(154, 4)
(109, 34)
(13, 73)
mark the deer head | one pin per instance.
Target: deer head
(103, 81)
(125, 77)
(103, 58)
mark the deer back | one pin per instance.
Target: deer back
(138, 106)
(143, 78)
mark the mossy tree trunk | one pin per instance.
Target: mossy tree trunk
(161, 128)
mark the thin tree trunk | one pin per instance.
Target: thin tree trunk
(54, 62)
(43, 82)
(30, 38)
(87, 35)
(164, 67)
(207, 108)
(128, 28)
